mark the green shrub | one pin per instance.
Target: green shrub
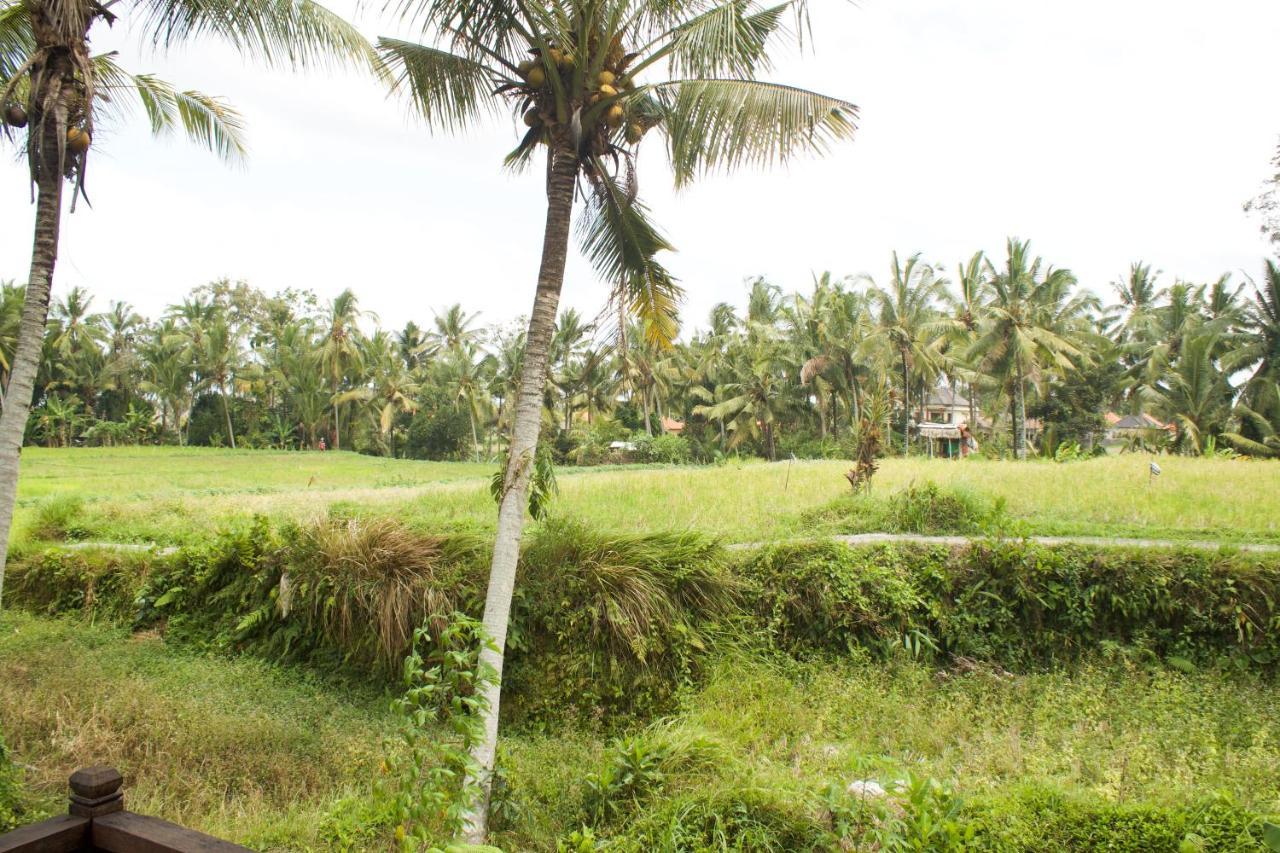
(922, 509)
(608, 627)
(665, 449)
(1016, 603)
(613, 624)
(59, 518)
(602, 625)
(1034, 819)
(11, 809)
(728, 818)
(932, 509)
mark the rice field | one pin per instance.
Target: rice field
(170, 494)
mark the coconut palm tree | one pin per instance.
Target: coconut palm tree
(907, 322)
(454, 329)
(166, 373)
(1257, 349)
(340, 351)
(55, 89)
(1028, 327)
(11, 299)
(586, 78)
(1196, 394)
(219, 358)
(389, 388)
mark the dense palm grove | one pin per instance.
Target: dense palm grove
(1021, 340)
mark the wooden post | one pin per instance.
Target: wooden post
(95, 791)
(97, 821)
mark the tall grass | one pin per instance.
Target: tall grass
(163, 495)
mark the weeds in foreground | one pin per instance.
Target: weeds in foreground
(433, 785)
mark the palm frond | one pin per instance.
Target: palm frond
(16, 40)
(728, 39)
(278, 32)
(208, 121)
(448, 90)
(621, 243)
(726, 124)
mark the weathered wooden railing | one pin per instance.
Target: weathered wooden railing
(97, 820)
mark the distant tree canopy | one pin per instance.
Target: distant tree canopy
(790, 375)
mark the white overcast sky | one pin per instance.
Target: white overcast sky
(1104, 130)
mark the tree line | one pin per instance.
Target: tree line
(793, 373)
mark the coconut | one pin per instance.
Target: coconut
(15, 116)
(593, 99)
(556, 55)
(615, 116)
(77, 140)
(536, 77)
(566, 62)
(608, 91)
(532, 119)
(606, 78)
(634, 132)
(525, 67)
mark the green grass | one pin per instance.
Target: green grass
(237, 748)
(275, 759)
(1109, 731)
(281, 759)
(169, 495)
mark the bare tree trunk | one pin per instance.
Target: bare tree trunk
(35, 306)
(226, 412)
(1019, 416)
(475, 442)
(973, 416)
(906, 405)
(562, 169)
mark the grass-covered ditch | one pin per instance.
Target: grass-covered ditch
(665, 692)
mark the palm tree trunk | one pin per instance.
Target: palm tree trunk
(562, 169)
(1019, 417)
(226, 411)
(35, 314)
(906, 405)
(973, 416)
(475, 442)
(337, 428)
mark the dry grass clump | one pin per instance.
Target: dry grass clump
(365, 584)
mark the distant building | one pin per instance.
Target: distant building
(672, 425)
(1124, 427)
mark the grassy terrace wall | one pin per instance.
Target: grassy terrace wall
(618, 623)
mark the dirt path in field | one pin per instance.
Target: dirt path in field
(1096, 541)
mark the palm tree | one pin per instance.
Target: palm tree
(454, 330)
(463, 373)
(589, 96)
(218, 359)
(389, 389)
(167, 373)
(908, 311)
(45, 46)
(752, 404)
(11, 298)
(1258, 349)
(340, 351)
(1196, 395)
(1028, 327)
